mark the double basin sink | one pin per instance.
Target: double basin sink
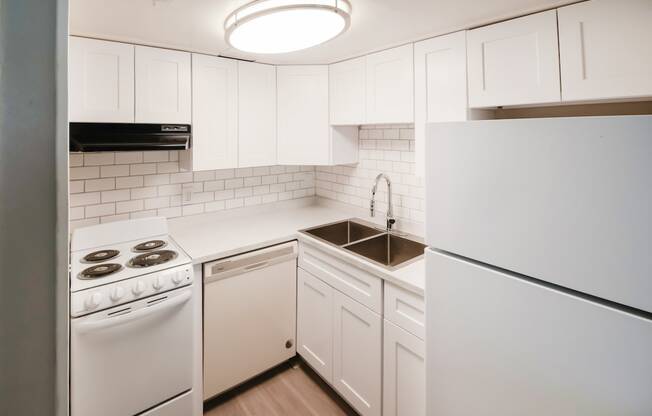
(387, 249)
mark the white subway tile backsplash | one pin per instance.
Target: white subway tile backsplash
(117, 195)
(127, 158)
(388, 149)
(107, 187)
(93, 185)
(87, 172)
(114, 170)
(97, 159)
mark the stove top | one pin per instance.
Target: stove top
(103, 265)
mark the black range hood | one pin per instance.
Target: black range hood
(100, 137)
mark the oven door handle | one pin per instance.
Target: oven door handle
(170, 303)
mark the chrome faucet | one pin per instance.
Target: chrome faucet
(390, 210)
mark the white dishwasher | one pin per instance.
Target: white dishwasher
(249, 315)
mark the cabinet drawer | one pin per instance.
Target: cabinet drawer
(354, 282)
(405, 309)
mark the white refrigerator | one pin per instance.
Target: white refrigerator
(539, 267)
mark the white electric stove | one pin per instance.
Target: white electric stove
(131, 330)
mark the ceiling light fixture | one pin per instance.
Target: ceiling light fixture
(280, 26)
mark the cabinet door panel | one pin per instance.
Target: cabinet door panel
(605, 50)
(303, 131)
(101, 81)
(256, 114)
(357, 362)
(439, 86)
(514, 62)
(404, 373)
(315, 323)
(215, 113)
(347, 85)
(163, 86)
(390, 86)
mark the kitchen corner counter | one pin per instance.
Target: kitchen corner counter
(222, 234)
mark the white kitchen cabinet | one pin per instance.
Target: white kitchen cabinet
(605, 50)
(357, 362)
(514, 62)
(163, 86)
(215, 114)
(101, 81)
(347, 87)
(404, 373)
(315, 323)
(390, 86)
(304, 136)
(440, 89)
(256, 114)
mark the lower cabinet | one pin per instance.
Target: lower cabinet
(315, 323)
(404, 375)
(357, 340)
(342, 340)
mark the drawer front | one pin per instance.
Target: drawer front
(354, 282)
(405, 309)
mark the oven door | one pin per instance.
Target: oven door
(133, 357)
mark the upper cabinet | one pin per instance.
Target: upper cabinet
(304, 134)
(101, 81)
(163, 85)
(257, 114)
(439, 86)
(390, 86)
(347, 84)
(605, 50)
(514, 62)
(215, 113)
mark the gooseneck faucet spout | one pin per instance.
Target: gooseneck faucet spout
(390, 210)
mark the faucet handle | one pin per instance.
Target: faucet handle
(372, 212)
(390, 222)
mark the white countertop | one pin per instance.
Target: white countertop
(222, 234)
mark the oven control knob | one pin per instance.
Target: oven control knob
(158, 282)
(117, 294)
(93, 301)
(139, 288)
(178, 277)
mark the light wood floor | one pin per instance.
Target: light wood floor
(288, 390)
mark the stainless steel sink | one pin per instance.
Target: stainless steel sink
(388, 249)
(343, 232)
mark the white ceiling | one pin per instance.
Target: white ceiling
(197, 25)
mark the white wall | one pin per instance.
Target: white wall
(28, 207)
(384, 148)
(111, 186)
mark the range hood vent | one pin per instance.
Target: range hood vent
(101, 137)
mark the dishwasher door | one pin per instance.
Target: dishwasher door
(249, 315)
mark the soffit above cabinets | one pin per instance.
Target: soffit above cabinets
(198, 25)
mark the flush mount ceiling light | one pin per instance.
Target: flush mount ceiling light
(280, 26)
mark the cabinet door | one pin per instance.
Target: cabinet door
(357, 354)
(303, 131)
(390, 86)
(315, 323)
(404, 373)
(605, 50)
(215, 112)
(101, 81)
(256, 114)
(514, 62)
(162, 86)
(439, 86)
(347, 84)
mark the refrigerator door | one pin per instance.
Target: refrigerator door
(564, 200)
(500, 345)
